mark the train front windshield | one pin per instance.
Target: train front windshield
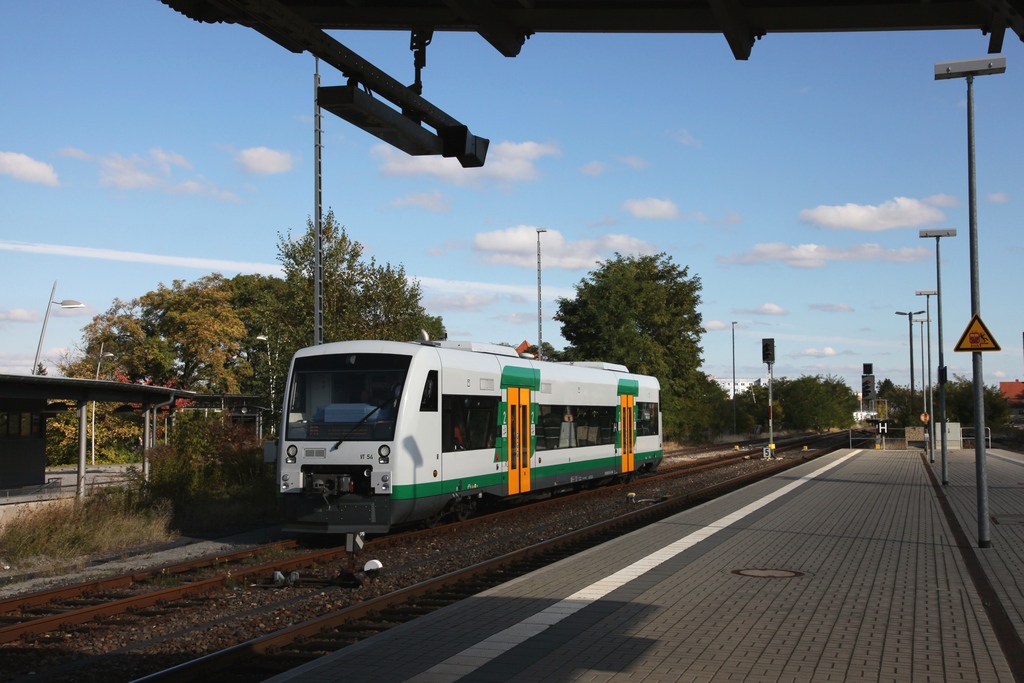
(350, 397)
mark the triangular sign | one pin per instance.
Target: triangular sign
(977, 337)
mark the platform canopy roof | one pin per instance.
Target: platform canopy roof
(507, 24)
(81, 390)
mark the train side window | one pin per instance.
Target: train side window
(428, 401)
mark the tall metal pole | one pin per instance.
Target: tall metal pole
(771, 426)
(318, 246)
(942, 364)
(969, 69)
(930, 404)
(734, 378)
(910, 326)
(938, 235)
(984, 539)
(539, 315)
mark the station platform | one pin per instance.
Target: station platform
(858, 566)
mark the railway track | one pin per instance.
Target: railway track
(411, 562)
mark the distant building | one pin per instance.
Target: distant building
(1013, 392)
(742, 384)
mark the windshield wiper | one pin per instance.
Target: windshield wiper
(359, 424)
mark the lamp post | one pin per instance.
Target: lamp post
(938, 235)
(66, 303)
(969, 68)
(270, 368)
(539, 318)
(734, 378)
(910, 326)
(92, 445)
(927, 294)
(924, 387)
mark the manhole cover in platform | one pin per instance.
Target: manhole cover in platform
(768, 573)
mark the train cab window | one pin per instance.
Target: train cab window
(354, 397)
(428, 401)
(468, 422)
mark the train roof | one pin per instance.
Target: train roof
(456, 345)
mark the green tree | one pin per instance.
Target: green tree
(816, 403)
(641, 311)
(360, 300)
(960, 403)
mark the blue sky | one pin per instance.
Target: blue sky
(138, 147)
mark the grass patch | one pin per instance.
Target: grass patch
(68, 531)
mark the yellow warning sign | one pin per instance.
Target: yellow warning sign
(977, 337)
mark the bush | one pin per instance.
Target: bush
(67, 530)
(213, 474)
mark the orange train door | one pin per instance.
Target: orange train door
(627, 430)
(520, 440)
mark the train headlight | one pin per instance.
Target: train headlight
(291, 452)
(384, 451)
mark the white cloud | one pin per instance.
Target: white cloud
(832, 308)
(826, 352)
(764, 309)
(683, 136)
(527, 292)
(770, 309)
(507, 162)
(18, 315)
(998, 197)
(264, 161)
(152, 172)
(634, 162)
(716, 325)
(25, 168)
(517, 246)
(431, 201)
(901, 212)
(817, 256)
(594, 168)
(651, 208)
(220, 265)
(468, 302)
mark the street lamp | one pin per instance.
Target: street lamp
(969, 68)
(930, 405)
(938, 235)
(910, 325)
(270, 368)
(539, 231)
(99, 361)
(734, 378)
(66, 303)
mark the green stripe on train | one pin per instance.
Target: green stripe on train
(437, 488)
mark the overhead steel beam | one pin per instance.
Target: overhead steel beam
(285, 27)
(734, 27)
(495, 28)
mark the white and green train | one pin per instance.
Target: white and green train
(376, 434)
